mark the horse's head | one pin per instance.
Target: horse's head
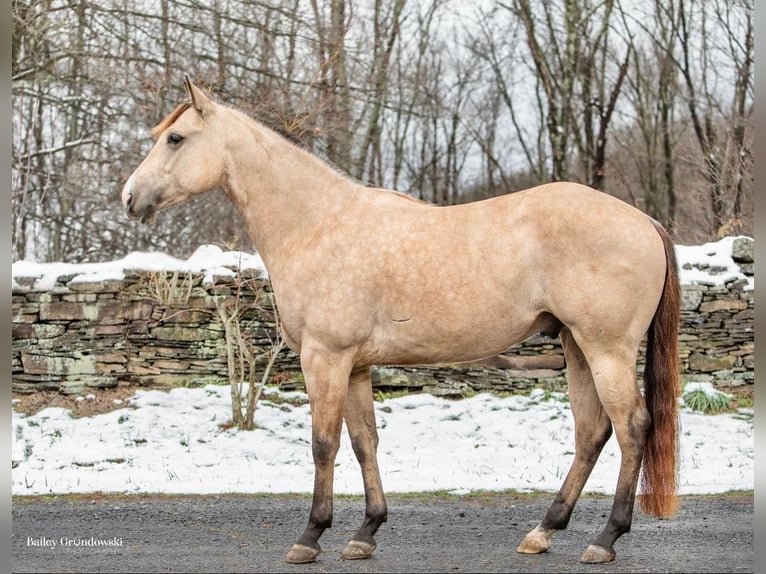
(186, 159)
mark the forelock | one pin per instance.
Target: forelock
(169, 119)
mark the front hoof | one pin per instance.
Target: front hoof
(358, 550)
(597, 555)
(301, 554)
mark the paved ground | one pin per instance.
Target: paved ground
(425, 533)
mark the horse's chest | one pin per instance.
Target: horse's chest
(331, 320)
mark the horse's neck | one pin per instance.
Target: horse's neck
(284, 193)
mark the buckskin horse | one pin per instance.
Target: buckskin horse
(364, 276)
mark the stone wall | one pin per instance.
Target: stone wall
(164, 329)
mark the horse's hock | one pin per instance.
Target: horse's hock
(165, 330)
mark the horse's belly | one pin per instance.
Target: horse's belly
(419, 341)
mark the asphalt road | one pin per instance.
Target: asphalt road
(424, 533)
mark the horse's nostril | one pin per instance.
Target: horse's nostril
(127, 196)
(129, 202)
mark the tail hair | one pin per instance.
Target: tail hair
(662, 386)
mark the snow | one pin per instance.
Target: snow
(174, 442)
(208, 259)
(710, 263)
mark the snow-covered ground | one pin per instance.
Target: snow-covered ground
(173, 442)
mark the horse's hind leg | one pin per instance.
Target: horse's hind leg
(592, 430)
(615, 378)
(360, 421)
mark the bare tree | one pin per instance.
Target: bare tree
(89, 81)
(724, 149)
(387, 23)
(496, 42)
(581, 77)
(652, 92)
(413, 71)
(447, 101)
(334, 81)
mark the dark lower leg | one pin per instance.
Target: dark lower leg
(592, 430)
(326, 384)
(618, 524)
(307, 548)
(632, 438)
(320, 517)
(373, 518)
(360, 421)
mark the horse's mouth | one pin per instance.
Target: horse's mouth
(145, 216)
(148, 216)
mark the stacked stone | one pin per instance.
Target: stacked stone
(81, 335)
(717, 338)
(164, 330)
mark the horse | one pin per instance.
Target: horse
(366, 276)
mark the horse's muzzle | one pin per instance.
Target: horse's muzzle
(145, 213)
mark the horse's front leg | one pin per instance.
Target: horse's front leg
(360, 421)
(327, 377)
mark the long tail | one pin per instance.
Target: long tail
(662, 386)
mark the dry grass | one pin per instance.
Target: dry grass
(99, 401)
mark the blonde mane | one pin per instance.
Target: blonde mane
(296, 141)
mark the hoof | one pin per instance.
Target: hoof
(536, 542)
(300, 554)
(358, 550)
(597, 555)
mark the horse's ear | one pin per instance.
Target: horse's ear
(197, 97)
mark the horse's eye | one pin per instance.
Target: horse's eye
(175, 138)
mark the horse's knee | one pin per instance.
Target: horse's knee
(324, 449)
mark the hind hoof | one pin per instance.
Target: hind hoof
(358, 550)
(301, 554)
(536, 542)
(533, 546)
(597, 555)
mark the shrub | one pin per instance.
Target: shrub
(704, 398)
